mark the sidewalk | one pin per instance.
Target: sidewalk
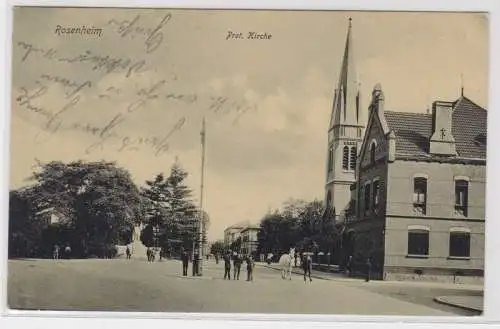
(340, 277)
(469, 303)
(314, 273)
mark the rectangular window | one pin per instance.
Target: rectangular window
(420, 195)
(459, 244)
(418, 243)
(367, 197)
(462, 197)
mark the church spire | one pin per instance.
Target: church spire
(345, 105)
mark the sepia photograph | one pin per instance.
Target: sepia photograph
(248, 161)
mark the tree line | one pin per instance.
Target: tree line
(94, 206)
(307, 226)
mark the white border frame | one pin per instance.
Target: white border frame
(101, 319)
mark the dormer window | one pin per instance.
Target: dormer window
(480, 140)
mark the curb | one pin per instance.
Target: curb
(440, 300)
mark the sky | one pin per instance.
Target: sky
(136, 92)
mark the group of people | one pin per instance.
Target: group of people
(238, 261)
(185, 263)
(56, 254)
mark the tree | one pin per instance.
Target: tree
(171, 210)
(98, 202)
(298, 224)
(217, 248)
(236, 245)
(25, 227)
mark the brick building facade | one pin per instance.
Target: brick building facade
(419, 195)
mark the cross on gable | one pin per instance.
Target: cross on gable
(443, 133)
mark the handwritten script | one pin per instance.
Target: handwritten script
(72, 110)
(133, 28)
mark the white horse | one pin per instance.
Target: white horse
(286, 263)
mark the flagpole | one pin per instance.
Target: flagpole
(201, 213)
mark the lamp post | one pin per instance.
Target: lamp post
(201, 213)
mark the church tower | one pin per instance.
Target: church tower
(345, 135)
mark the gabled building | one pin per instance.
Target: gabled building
(419, 195)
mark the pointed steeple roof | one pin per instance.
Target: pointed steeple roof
(345, 104)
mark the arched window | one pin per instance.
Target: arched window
(376, 193)
(372, 152)
(345, 158)
(328, 200)
(330, 158)
(354, 155)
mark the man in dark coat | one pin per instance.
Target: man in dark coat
(227, 266)
(250, 266)
(237, 266)
(195, 263)
(307, 266)
(185, 262)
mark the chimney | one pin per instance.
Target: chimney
(442, 141)
(392, 146)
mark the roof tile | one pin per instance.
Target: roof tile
(413, 130)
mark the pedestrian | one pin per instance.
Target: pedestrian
(227, 266)
(368, 269)
(128, 252)
(307, 266)
(216, 258)
(185, 262)
(349, 266)
(250, 266)
(236, 266)
(195, 263)
(295, 259)
(56, 251)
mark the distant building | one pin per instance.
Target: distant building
(249, 239)
(232, 233)
(50, 216)
(418, 203)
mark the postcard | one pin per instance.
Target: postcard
(248, 161)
